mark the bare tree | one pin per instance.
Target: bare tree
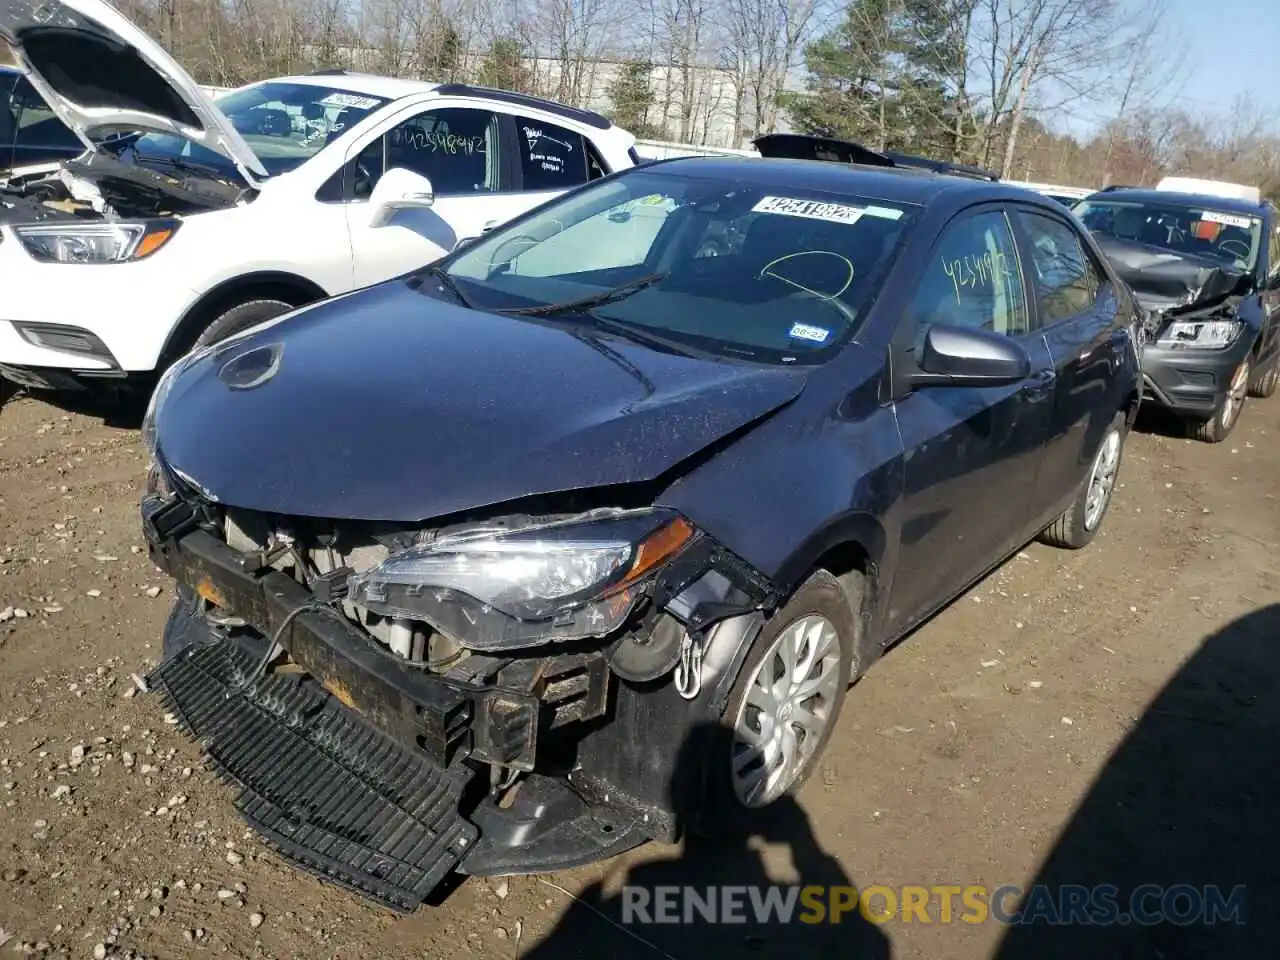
(762, 43)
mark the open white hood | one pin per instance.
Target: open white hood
(100, 72)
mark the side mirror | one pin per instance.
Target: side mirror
(961, 357)
(399, 189)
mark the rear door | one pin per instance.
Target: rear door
(1084, 327)
(550, 159)
(970, 454)
(1271, 298)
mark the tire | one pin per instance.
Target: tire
(240, 317)
(720, 811)
(1079, 524)
(1218, 427)
(1263, 382)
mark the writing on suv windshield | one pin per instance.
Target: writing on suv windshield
(1233, 238)
(283, 123)
(772, 274)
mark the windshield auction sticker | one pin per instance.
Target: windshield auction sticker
(809, 209)
(349, 100)
(1227, 219)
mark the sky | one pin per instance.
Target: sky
(1233, 48)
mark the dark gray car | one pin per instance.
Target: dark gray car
(466, 558)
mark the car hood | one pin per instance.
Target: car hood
(389, 404)
(1164, 279)
(98, 71)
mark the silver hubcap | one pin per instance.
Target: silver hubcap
(788, 704)
(1103, 479)
(1234, 399)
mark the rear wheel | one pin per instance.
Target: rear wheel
(783, 707)
(1218, 427)
(1081, 521)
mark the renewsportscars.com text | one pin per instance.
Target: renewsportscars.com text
(1102, 905)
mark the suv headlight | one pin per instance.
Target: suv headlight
(1200, 334)
(492, 588)
(97, 242)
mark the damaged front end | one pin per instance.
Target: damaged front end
(100, 208)
(1178, 293)
(502, 695)
(1194, 331)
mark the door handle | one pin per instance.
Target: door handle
(490, 225)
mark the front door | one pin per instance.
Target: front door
(461, 151)
(969, 453)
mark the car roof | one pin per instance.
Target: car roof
(907, 185)
(1174, 199)
(394, 88)
(369, 84)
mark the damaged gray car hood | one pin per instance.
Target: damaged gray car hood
(1162, 278)
(390, 404)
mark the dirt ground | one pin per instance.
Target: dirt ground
(1099, 716)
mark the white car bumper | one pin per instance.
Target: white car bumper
(97, 319)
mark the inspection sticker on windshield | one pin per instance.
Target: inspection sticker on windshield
(811, 209)
(1227, 219)
(350, 100)
(802, 331)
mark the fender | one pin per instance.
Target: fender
(855, 531)
(277, 284)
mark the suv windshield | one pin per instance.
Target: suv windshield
(776, 274)
(1232, 238)
(284, 123)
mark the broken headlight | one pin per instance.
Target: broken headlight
(1200, 334)
(492, 587)
(103, 242)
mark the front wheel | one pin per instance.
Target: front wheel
(1080, 523)
(1263, 383)
(241, 317)
(783, 707)
(1218, 427)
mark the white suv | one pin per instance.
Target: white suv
(201, 220)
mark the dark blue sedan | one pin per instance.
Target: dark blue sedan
(470, 561)
(31, 135)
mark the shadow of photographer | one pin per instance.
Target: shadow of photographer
(1183, 815)
(692, 890)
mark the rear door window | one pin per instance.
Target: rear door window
(552, 157)
(1067, 282)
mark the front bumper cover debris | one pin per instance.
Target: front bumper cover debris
(370, 772)
(331, 793)
(450, 718)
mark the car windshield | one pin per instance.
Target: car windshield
(1232, 238)
(283, 123)
(776, 274)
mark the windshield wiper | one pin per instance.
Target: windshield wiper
(189, 166)
(585, 303)
(450, 284)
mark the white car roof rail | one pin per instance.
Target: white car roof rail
(1211, 188)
